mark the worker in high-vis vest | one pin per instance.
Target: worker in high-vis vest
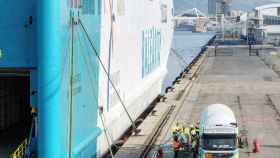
(187, 137)
(178, 128)
(176, 145)
(194, 132)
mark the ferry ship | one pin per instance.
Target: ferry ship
(77, 57)
(86, 66)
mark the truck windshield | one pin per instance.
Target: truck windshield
(219, 142)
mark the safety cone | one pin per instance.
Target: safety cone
(256, 145)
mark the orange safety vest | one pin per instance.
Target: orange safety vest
(176, 145)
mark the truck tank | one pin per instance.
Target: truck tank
(217, 114)
(218, 132)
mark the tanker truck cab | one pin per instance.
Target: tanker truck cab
(218, 132)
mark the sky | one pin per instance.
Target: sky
(245, 5)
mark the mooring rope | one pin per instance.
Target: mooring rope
(108, 75)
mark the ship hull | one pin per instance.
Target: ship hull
(87, 56)
(135, 46)
(98, 54)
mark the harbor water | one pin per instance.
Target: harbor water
(186, 45)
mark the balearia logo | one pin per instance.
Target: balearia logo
(151, 47)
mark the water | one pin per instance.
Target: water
(186, 46)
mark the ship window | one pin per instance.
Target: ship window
(88, 6)
(121, 7)
(164, 13)
(76, 3)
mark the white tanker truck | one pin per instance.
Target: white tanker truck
(218, 133)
